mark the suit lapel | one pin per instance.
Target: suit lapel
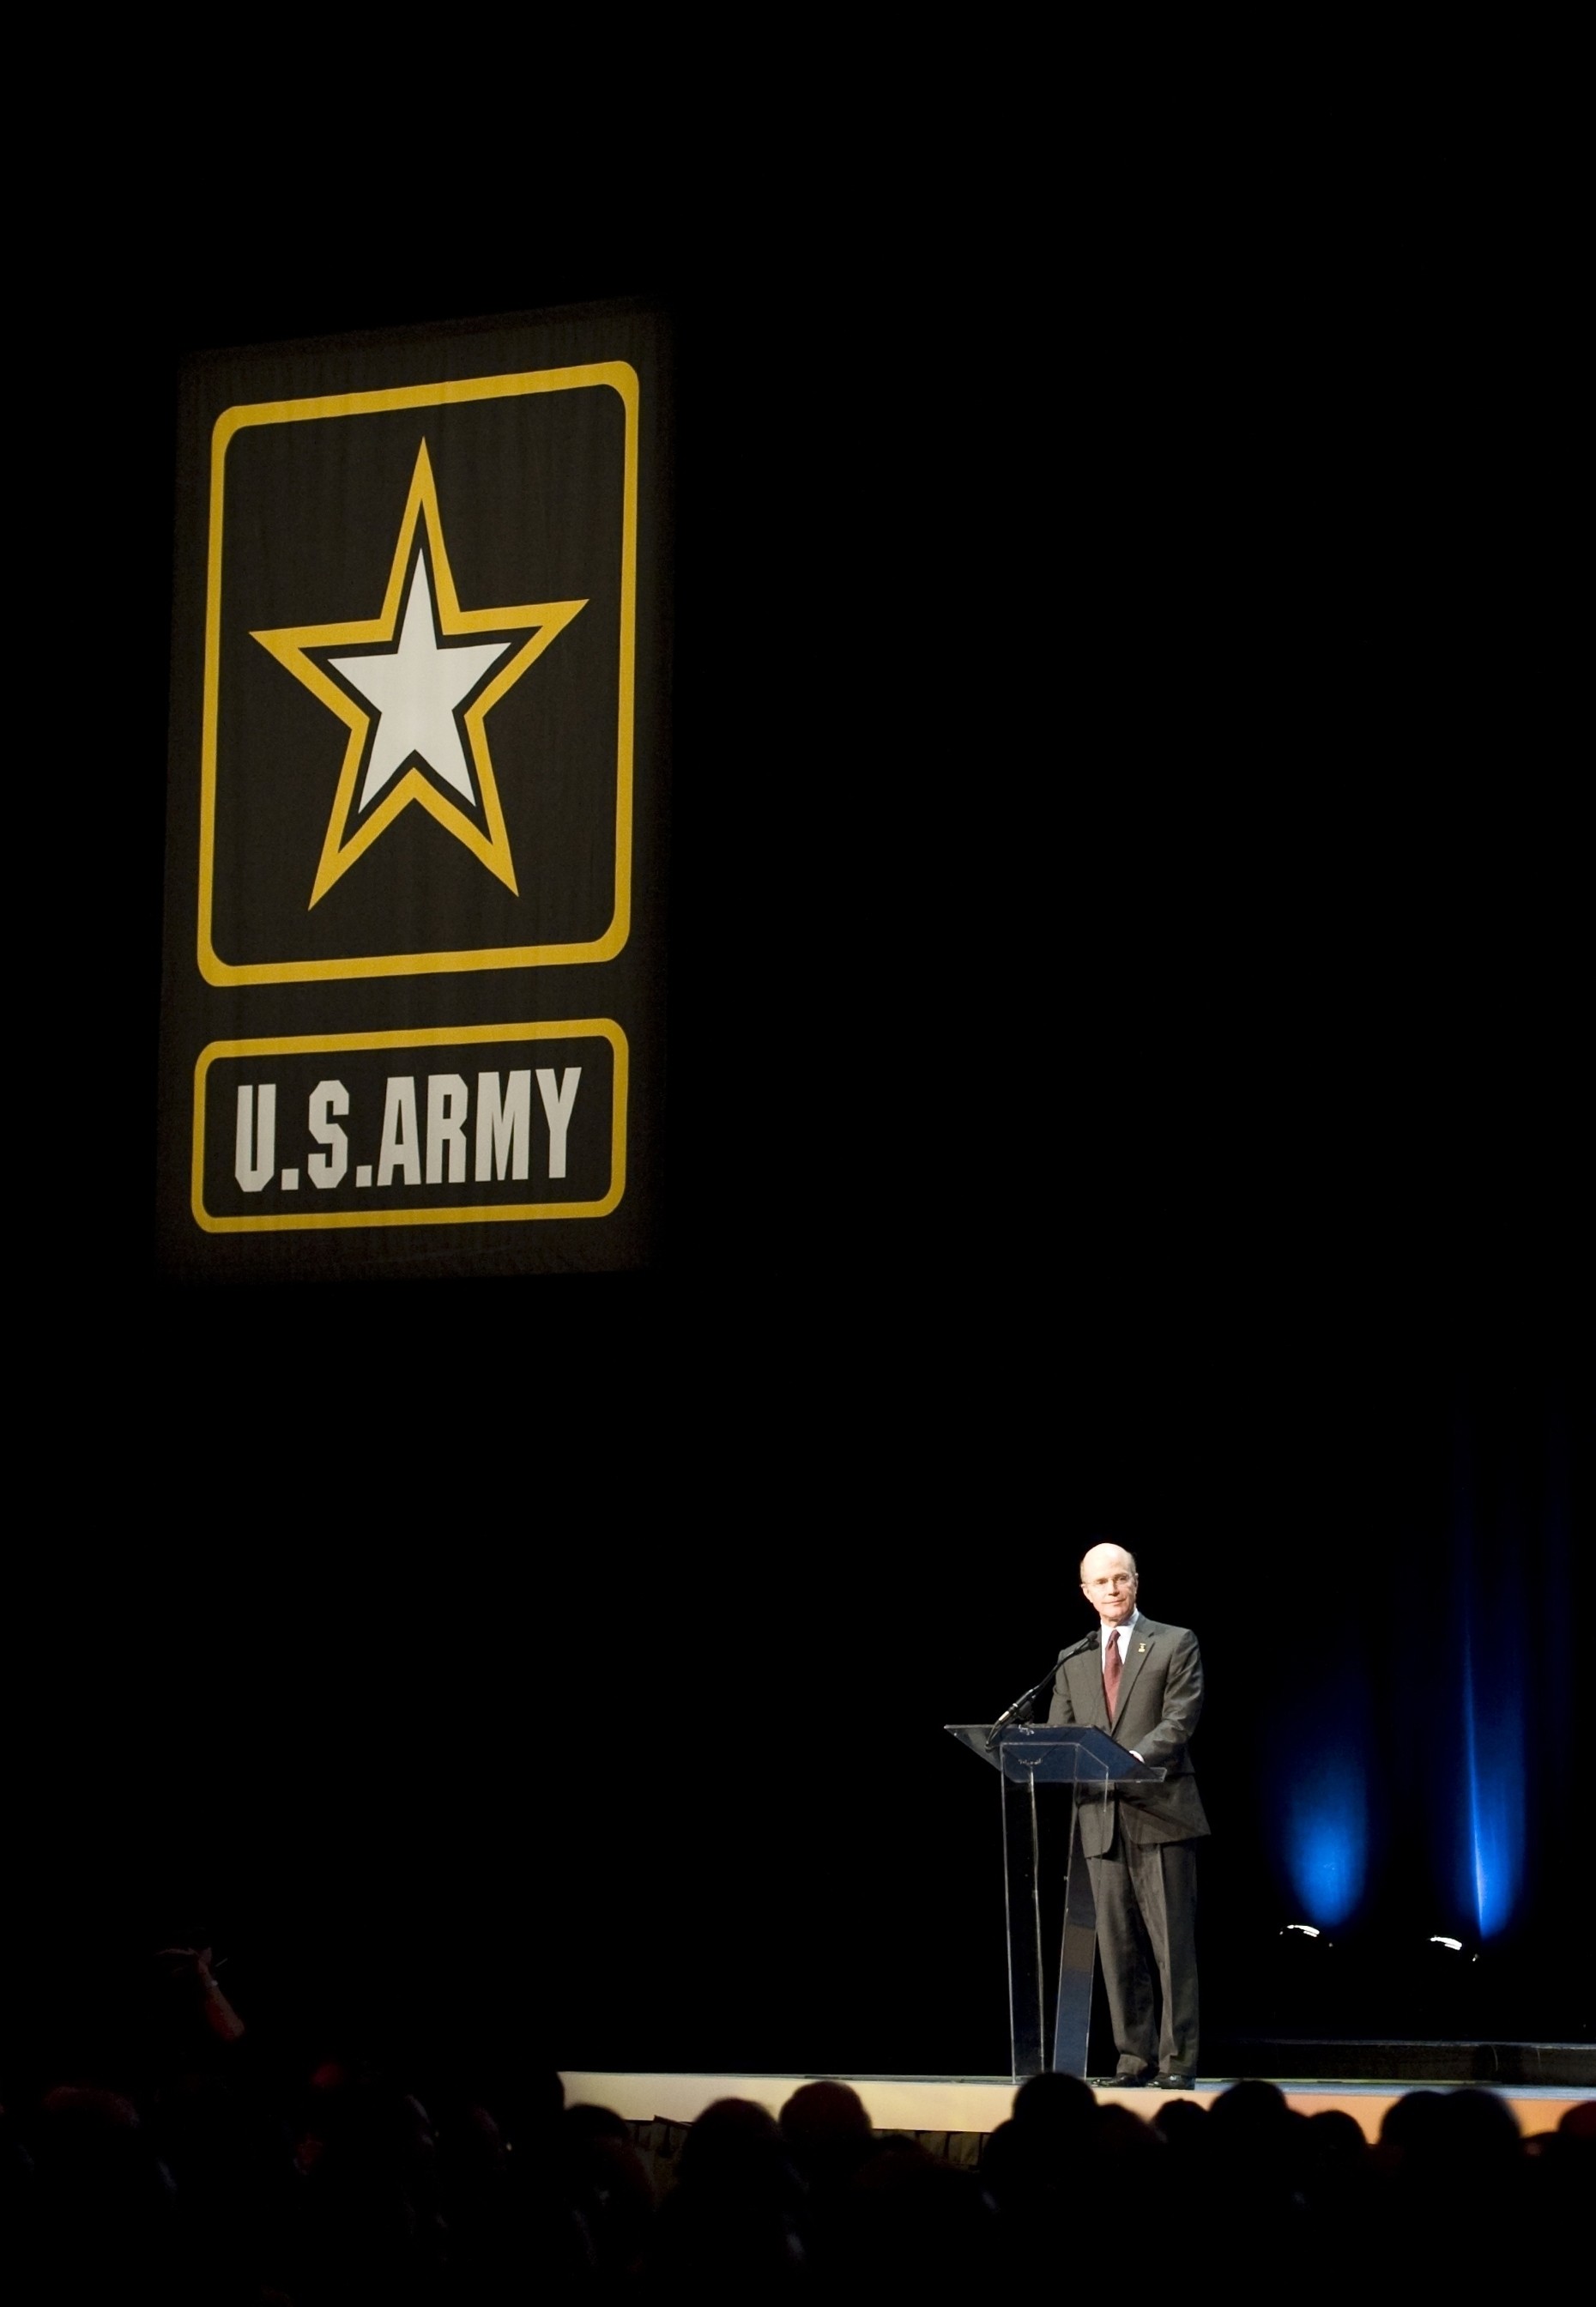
(1136, 1653)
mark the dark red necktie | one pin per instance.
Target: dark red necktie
(1110, 1674)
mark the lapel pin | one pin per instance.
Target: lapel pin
(1140, 1648)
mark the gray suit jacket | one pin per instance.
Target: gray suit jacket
(1160, 1696)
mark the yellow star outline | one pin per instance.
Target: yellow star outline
(289, 645)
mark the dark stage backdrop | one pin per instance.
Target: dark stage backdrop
(1124, 1070)
(623, 1748)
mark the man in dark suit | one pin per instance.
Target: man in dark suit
(1142, 1683)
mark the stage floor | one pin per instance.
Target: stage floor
(966, 2103)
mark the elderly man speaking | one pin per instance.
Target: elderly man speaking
(1142, 1682)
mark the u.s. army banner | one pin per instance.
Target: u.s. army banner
(412, 996)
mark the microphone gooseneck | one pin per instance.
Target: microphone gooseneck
(1009, 1713)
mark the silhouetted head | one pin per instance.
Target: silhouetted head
(1479, 2129)
(1251, 2114)
(472, 2152)
(826, 2127)
(1335, 2136)
(583, 2122)
(1413, 2123)
(734, 2149)
(1060, 2105)
(1119, 2136)
(608, 2184)
(1183, 2125)
(923, 2228)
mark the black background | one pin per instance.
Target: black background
(1127, 1009)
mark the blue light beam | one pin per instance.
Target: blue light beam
(1492, 1857)
(1326, 1836)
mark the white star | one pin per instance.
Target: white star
(415, 688)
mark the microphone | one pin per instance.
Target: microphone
(1010, 1713)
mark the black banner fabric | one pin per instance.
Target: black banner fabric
(412, 1001)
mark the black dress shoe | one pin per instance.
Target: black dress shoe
(1120, 2082)
(1173, 2083)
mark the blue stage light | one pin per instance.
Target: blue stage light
(1493, 1851)
(1326, 1837)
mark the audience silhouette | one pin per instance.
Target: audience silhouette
(188, 2165)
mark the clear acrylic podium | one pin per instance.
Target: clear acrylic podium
(1042, 1845)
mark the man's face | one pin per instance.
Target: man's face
(1109, 1583)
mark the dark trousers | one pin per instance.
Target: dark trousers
(1146, 1931)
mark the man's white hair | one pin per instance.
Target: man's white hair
(1107, 1545)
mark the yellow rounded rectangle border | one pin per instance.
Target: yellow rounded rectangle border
(623, 378)
(414, 1038)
